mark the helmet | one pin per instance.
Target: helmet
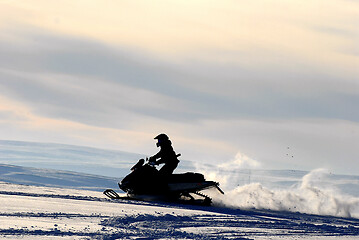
(161, 138)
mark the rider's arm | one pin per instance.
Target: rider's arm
(156, 156)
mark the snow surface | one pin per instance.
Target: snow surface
(258, 204)
(33, 212)
(42, 212)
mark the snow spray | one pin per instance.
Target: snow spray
(313, 193)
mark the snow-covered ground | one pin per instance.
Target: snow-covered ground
(39, 203)
(33, 212)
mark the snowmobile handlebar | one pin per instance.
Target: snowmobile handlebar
(152, 161)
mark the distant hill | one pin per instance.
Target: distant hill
(72, 158)
(67, 157)
(55, 178)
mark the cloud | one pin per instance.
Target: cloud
(18, 121)
(273, 81)
(87, 75)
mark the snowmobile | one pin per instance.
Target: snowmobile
(146, 183)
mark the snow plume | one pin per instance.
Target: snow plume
(314, 195)
(236, 171)
(241, 161)
(317, 192)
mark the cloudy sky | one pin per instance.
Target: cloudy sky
(265, 83)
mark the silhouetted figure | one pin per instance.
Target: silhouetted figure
(166, 155)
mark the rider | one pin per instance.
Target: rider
(166, 154)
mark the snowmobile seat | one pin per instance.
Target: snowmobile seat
(189, 177)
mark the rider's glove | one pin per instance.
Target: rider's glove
(152, 161)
